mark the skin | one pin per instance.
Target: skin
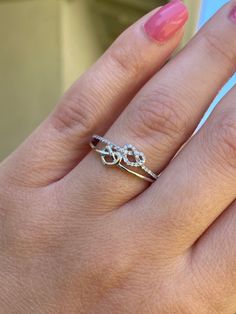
(77, 237)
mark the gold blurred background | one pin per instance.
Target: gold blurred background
(47, 44)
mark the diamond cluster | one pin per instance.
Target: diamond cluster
(131, 151)
(127, 152)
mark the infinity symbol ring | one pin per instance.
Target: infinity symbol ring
(127, 157)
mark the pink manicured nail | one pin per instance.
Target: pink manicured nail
(232, 15)
(167, 21)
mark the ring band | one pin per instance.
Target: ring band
(126, 157)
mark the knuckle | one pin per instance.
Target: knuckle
(224, 138)
(213, 46)
(75, 112)
(159, 114)
(36, 237)
(110, 259)
(127, 59)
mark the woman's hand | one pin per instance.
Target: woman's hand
(78, 237)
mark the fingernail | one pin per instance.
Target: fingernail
(167, 21)
(232, 15)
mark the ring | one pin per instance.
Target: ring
(126, 157)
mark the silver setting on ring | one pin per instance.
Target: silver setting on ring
(126, 157)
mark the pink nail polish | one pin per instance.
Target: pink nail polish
(232, 15)
(167, 21)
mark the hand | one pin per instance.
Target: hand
(78, 237)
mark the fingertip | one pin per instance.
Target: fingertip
(167, 21)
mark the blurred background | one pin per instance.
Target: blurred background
(47, 44)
